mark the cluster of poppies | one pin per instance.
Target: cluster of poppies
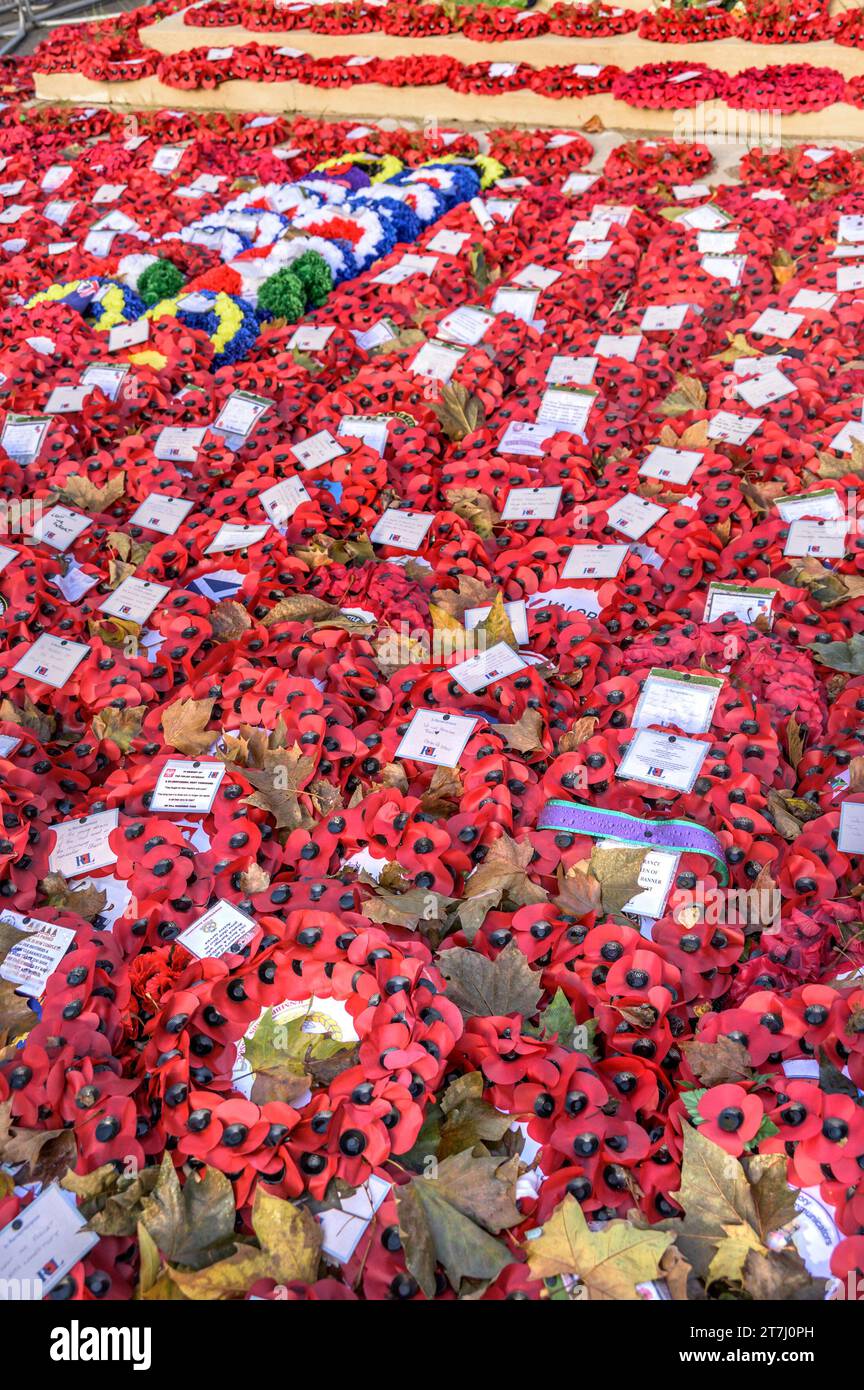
(760, 21)
(111, 51)
(331, 672)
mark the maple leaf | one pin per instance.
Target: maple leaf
(16, 1018)
(406, 909)
(729, 1210)
(689, 394)
(289, 1241)
(826, 586)
(470, 1120)
(443, 793)
(496, 625)
(502, 873)
(451, 1219)
(557, 1019)
(610, 1262)
(617, 869)
(184, 726)
(526, 736)
(277, 1054)
(80, 492)
(114, 632)
(45, 1153)
(192, 1225)
(458, 412)
(577, 734)
(783, 266)
(579, 892)
(738, 347)
(121, 726)
(795, 737)
(298, 607)
(111, 1201)
(840, 656)
(482, 273)
(229, 620)
(154, 1280)
(474, 507)
(482, 988)
(28, 716)
(278, 785)
(87, 902)
(129, 550)
(781, 1277)
(472, 593)
(254, 880)
(715, 1064)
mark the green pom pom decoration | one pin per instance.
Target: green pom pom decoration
(315, 276)
(161, 280)
(283, 296)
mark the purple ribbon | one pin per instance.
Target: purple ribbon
(679, 836)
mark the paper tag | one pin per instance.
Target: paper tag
(493, 664)
(663, 318)
(850, 839)
(826, 539)
(437, 361)
(624, 345)
(310, 338)
(733, 429)
(465, 325)
(179, 444)
(51, 660)
(66, 400)
(436, 738)
(43, 1242)
(571, 371)
(671, 465)
(823, 503)
(60, 527)
(516, 300)
(566, 407)
(850, 277)
(746, 603)
(32, 960)
(766, 388)
(448, 243)
(81, 846)
(403, 530)
(525, 437)
(716, 243)
(281, 501)
(594, 561)
(166, 159)
(186, 785)
(656, 875)
(222, 928)
(531, 503)
(777, 324)
(370, 430)
(236, 535)
(665, 760)
(126, 335)
(317, 449)
(728, 268)
(240, 413)
(134, 600)
(23, 435)
(108, 377)
(675, 697)
(633, 516)
(161, 512)
(537, 277)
